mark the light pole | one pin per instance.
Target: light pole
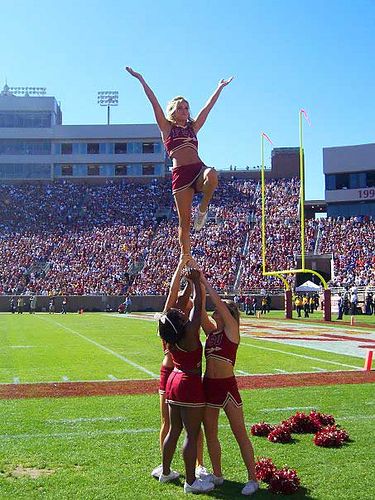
(108, 98)
(25, 91)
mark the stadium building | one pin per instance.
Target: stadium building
(350, 180)
(35, 146)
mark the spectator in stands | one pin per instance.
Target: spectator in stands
(340, 305)
(13, 305)
(189, 174)
(305, 305)
(32, 304)
(52, 305)
(263, 305)
(298, 304)
(64, 305)
(112, 244)
(20, 305)
(269, 302)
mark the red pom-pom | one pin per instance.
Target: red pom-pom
(265, 469)
(261, 429)
(284, 481)
(331, 437)
(280, 434)
(322, 418)
(301, 423)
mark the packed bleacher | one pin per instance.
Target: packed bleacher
(66, 238)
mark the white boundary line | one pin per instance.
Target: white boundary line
(300, 356)
(114, 353)
(119, 432)
(290, 408)
(87, 434)
(85, 419)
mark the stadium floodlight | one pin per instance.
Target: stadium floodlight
(28, 91)
(108, 98)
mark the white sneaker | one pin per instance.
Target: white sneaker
(157, 471)
(200, 472)
(170, 477)
(216, 480)
(199, 486)
(200, 220)
(250, 488)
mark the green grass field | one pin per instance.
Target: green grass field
(46, 348)
(105, 447)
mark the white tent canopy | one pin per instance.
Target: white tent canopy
(308, 286)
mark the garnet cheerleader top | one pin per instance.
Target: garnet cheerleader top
(185, 360)
(218, 346)
(180, 138)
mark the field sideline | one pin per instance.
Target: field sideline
(95, 447)
(110, 347)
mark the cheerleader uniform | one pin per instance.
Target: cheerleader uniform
(218, 391)
(184, 385)
(183, 176)
(165, 371)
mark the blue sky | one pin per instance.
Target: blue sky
(284, 55)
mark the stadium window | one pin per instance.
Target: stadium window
(354, 181)
(121, 170)
(370, 182)
(330, 182)
(66, 148)
(148, 170)
(66, 170)
(93, 148)
(93, 170)
(147, 147)
(121, 148)
(342, 181)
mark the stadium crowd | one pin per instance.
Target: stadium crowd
(114, 238)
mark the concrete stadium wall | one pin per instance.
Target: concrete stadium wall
(90, 303)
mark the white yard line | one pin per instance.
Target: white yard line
(301, 326)
(112, 377)
(279, 370)
(16, 380)
(87, 434)
(354, 417)
(84, 434)
(129, 316)
(318, 369)
(85, 419)
(241, 372)
(301, 356)
(114, 353)
(65, 378)
(119, 432)
(288, 408)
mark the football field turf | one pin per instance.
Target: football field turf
(104, 447)
(58, 348)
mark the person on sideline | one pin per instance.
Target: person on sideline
(184, 389)
(180, 300)
(220, 385)
(189, 174)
